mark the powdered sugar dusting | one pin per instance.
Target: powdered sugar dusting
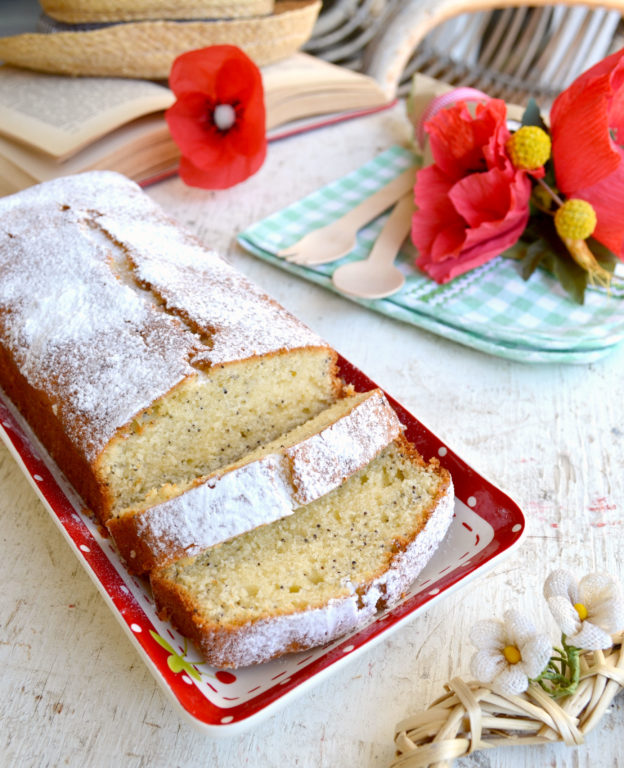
(219, 508)
(240, 319)
(101, 350)
(326, 459)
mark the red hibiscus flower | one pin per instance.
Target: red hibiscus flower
(218, 120)
(472, 203)
(587, 126)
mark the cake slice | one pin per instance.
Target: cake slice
(267, 484)
(306, 579)
(138, 356)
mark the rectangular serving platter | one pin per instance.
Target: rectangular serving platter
(487, 524)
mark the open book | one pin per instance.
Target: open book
(52, 125)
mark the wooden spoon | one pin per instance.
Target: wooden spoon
(376, 276)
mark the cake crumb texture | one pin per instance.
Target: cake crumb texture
(269, 483)
(309, 578)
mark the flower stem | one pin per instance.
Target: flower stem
(550, 191)
(562, 673)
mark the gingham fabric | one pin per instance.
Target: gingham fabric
(490, 308)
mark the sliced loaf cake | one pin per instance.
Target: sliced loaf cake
(315, 575)
(186, 407)
(267, 484)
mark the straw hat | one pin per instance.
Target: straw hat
(146, 49)
(87, 11)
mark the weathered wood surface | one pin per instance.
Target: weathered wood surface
(73, 692)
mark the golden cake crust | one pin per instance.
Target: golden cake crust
(109, 308)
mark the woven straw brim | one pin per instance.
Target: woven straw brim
(71, 12)
(147, 49)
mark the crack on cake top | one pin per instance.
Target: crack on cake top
(107, 306)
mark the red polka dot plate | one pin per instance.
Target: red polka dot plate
(486, 525)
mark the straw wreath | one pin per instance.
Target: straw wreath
(563, 702)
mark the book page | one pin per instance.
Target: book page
(320, 120)
(303, 85)
(301, 69)
(55, 125)
(134, 149)
(60, 115)
(12, 178)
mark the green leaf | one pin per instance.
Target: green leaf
(549, 177)
(533, 116)
(545, 249)
(572, 277)
(535, 254)
(606, 258)
(161, 641)
(176, 663)
(540, 246)
(516, 251)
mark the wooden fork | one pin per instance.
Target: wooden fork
(335, 240)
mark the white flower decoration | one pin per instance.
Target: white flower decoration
(508, 653)
(589, 612)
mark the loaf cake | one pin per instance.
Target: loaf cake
(270, 482)
(139, 357)
(311, 577)
(208, 428)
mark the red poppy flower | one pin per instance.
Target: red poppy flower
(218, 120)
(587, 125)
(472, 203)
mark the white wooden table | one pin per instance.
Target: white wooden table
(551, 436)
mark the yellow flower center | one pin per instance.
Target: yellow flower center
(575, 219)
(529, 147)
(512, 654)
(581, 610)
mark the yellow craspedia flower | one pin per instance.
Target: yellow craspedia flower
(575, 219)
(529, 147)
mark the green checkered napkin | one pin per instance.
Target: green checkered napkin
(490, 308)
